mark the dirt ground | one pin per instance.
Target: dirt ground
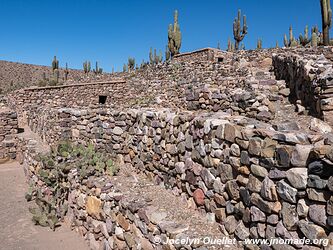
(17, 231)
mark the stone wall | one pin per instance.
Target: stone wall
(206, 54)
(260, 181)
(8, 130)
(309, 78)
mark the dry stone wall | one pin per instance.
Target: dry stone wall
(8, 130)
(259, 181)
(309, 79)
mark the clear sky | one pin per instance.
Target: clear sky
(110, 31)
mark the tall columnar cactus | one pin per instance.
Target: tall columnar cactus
(292, 41)
(174, 36)
(239, 32)
(151, 56)
(86, 67)
(304, 40)
(55, 63)
(277, 45)
(66, 72)
(231, 46)
(167, 54)
(131, 63)
(314, 39)
(259, 44)
(326, 15)
(97, 69)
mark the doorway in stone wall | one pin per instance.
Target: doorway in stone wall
(102, 99)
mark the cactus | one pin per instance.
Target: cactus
(131, 63)
(151, 56)
(304, 40)
(55, 63)
(231, 46)
(66, 72)
(277, 45)
(259, 44)
(326, 15)
(124, 68)
(86, 67)
(174, 36)
(97, 69)
(314, 39)
(292, 41)
(239, 33)
(218, 46)
(112, 69)
(167, 54)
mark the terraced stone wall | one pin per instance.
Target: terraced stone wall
(310, 80)
(8, 130)
(257, 180)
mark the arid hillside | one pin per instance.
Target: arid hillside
(15, 75)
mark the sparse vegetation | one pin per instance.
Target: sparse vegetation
(239, 31)
(86, 67)
(174, 36)
(54, 173)
(55, 63)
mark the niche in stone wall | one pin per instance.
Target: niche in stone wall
(220, 59)
(102, 99)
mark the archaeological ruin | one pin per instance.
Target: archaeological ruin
(211, 143)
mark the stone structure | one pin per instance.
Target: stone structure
(221, 142)
(8, 130)
(206, 54)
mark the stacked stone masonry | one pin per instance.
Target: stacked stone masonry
(8, 131)
(260, 182)
(213, 135)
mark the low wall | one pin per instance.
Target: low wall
(206, 54)
(265, 183)
(309, 79)
(8, 130)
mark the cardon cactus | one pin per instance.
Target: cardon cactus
(259, 44)
(292, 41)
(326, 15)
(55, 63)
(167, 54)
(304, 40)
(231, 46)
(86, 67)
(239, 32)
(314, 39)
(174, 36)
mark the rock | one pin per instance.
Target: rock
(199, 197)
(218, 186)
(264, 116)
(286, 126)
(230, 224)
(242, 232)
(273, 219)
(265, 206)
(123, 222)
(234, 150)
(233, 189)
(286, 192)
(318, 195)
(244, 158)
(231, 132)
(254, 185)
(268, 190)
(311, 231)
(117, 131)
(317, 214)
(257, 215)
(220, 214)
(314, 181)
(298, 177)
(255, 146)
(330, 184)
(320, 126)
(289, 216)
(284, 92)
(300, 155)
(94, 207)
(259, 171)
(283, 156)
(207, 177)
(302, 208)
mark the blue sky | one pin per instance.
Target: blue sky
(110, 31)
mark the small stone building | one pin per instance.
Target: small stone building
(206, 54)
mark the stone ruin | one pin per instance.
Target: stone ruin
(243, 139)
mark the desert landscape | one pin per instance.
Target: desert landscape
(208, 149)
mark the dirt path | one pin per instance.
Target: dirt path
(17, 231)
